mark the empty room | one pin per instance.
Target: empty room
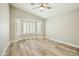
(39, 29)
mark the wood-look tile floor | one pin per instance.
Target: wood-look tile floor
(39, 47)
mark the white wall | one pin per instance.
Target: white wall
(64, 27)
(19, 14)
(4, 26)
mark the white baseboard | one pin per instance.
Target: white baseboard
(4, 52)
(73, 45)
(25, 38)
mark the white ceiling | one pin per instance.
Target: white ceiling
(57, 8)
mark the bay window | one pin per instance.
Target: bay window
(28, 27)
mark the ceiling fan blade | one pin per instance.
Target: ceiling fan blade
(49, 8)
(32, 3)
(34, 7)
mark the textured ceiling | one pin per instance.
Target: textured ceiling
(57, 8)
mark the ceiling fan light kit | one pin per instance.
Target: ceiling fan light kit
(42, 6)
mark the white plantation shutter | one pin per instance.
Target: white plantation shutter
(38, 27)
(27, 27)
(18, 27)
(33, 29)
(24, 27)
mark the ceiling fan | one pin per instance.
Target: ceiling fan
(41, 6)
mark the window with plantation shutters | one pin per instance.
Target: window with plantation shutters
(28, 27)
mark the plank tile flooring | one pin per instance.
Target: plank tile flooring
(39, 47)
